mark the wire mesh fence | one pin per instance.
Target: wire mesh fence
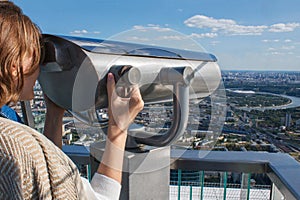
(190, 185)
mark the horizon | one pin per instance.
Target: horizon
(250, 70)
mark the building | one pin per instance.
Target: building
(288, 120)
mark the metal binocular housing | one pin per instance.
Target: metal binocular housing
(74, 71)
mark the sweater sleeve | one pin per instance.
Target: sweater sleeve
(101, 188)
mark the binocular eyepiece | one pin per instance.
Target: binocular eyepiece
(125, 77)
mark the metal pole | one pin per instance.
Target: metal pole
(245, 186)
(27, 113)
(179, 183)
(89, 174)
(202, 185)
(225, 185)
(191, 192)
(248, 189)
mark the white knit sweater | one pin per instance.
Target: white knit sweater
(32, 167)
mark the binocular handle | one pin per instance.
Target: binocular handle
(180, 78)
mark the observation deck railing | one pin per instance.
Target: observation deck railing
(282, 170)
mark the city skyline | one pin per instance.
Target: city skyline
(243, 35)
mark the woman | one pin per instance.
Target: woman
(31, 166)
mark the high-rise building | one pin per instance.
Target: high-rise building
(288, 120)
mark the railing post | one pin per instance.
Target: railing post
(202, 185)
(275, 193)
(179, 183)
(225, 185)
(249, 185)
(191, 192)
(27, 113)
(245, 186)
(89, 174)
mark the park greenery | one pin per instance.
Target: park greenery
(265, 94)
(255, 100)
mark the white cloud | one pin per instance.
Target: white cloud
(278, 28)
(284, 50)
(288, 47)
(271, 49)
(203, 35)
(276, 53)
(214, 43)
(231, 27)
(83, 32)
(269, 41)
(172, 37)
(287, 40)
(139, 39)
(227, 26)
(245, 30)
(151, 27)
(201, 21)
(140, 28)
(78, 32)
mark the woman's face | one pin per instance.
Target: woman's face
(29, 81)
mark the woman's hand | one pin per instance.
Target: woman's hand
(122, 111)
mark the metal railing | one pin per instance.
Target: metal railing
(282, 170)
(195, 185)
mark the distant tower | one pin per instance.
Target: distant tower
(288, 120)
(245, 117)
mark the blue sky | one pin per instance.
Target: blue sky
(242, 34)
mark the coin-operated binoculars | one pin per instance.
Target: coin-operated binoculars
(73, 75)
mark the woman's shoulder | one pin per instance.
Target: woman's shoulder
(24, 136)
(11, 128)
(17, 134)
(31, 141)
(32, 150)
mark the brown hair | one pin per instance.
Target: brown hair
(19, 38)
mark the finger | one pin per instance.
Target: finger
(135, 92)
(110, 85)
(135, 87)
(136, 101)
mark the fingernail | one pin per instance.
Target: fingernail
(110, 76)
